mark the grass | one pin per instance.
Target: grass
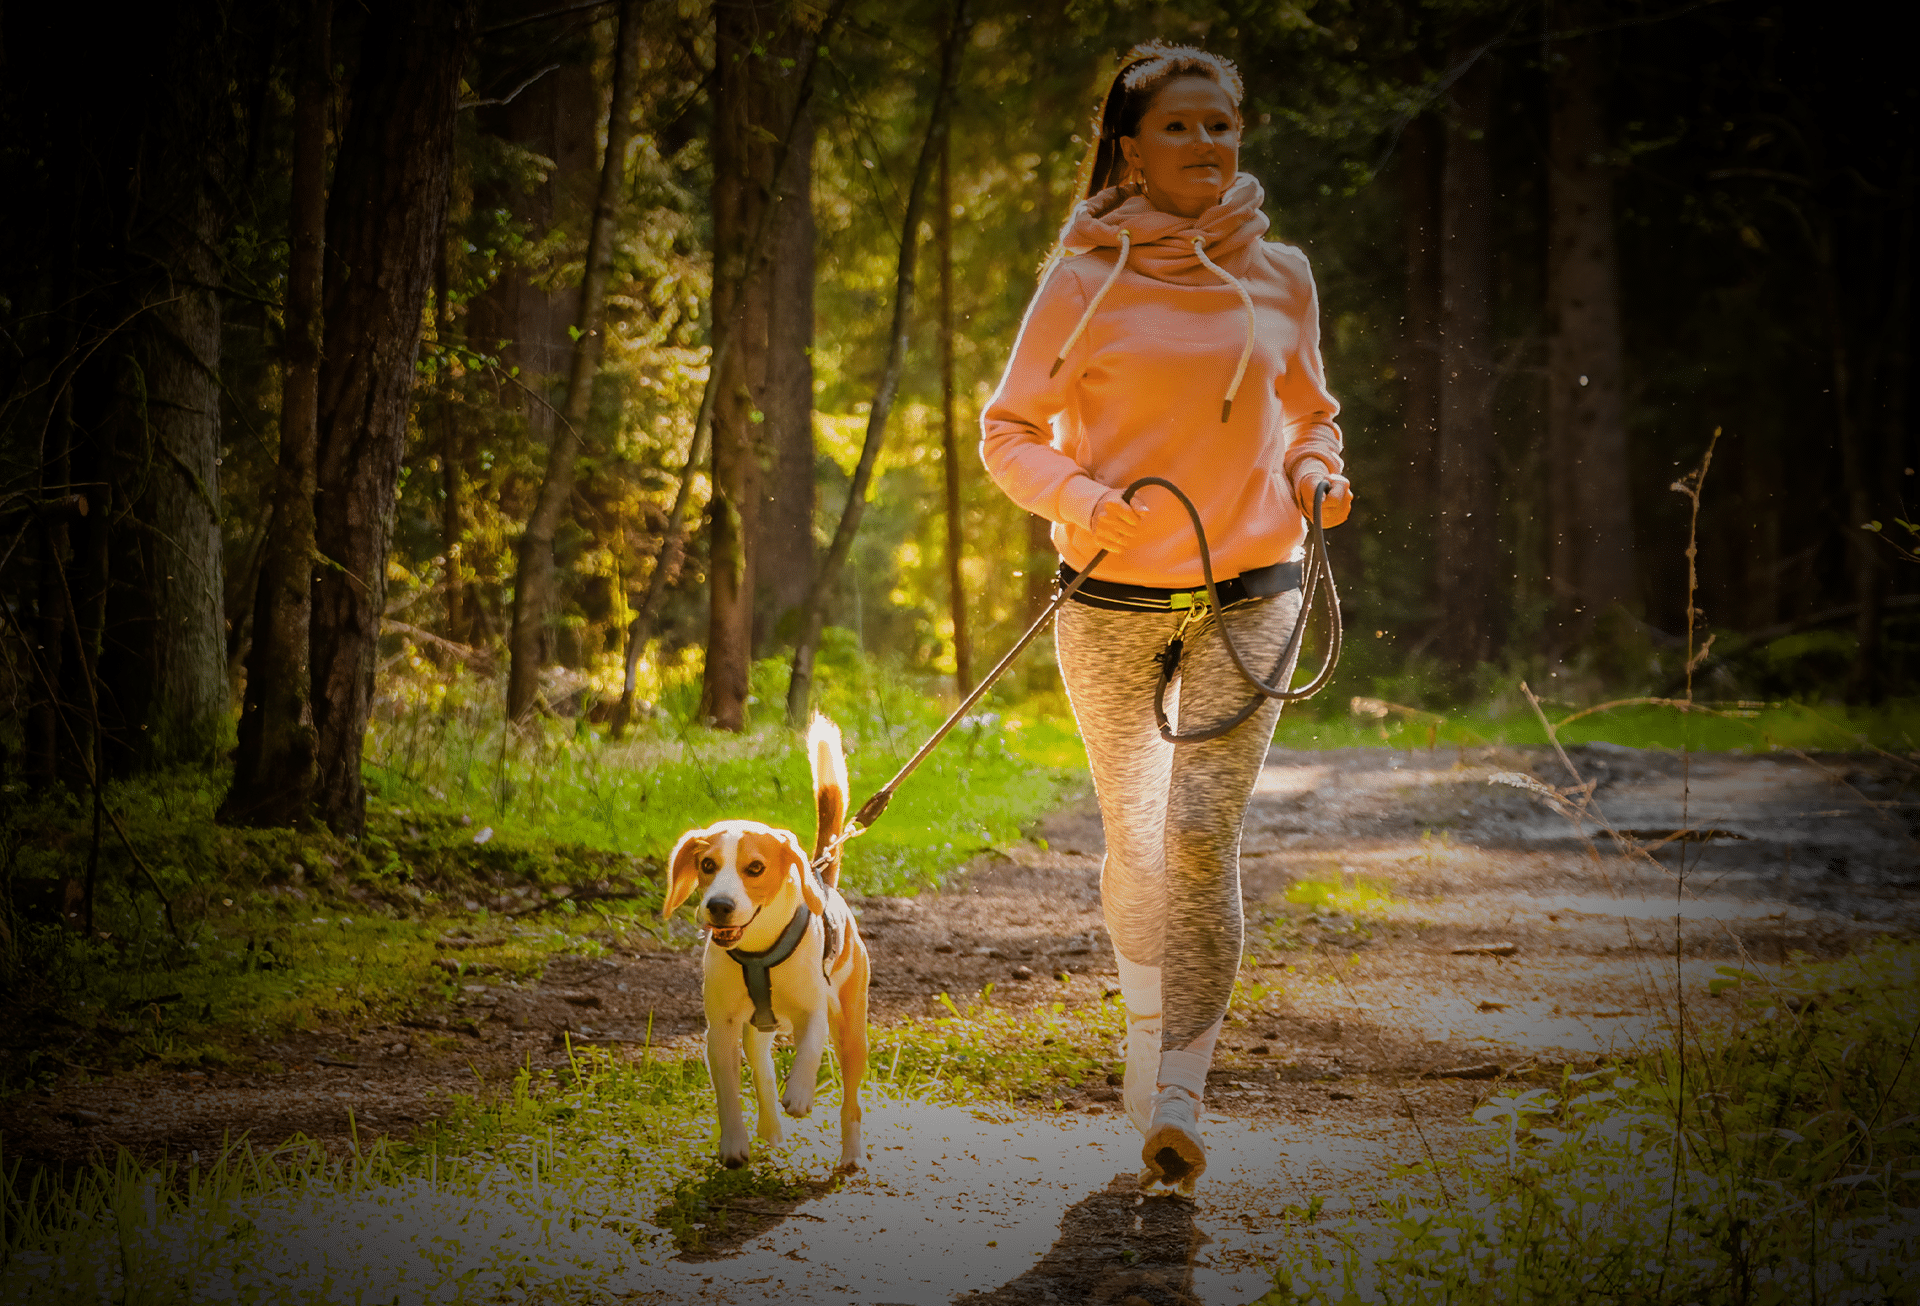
(570, 1183)
(495, 850)
(1772, 1162)
(562, 781)
(1730, 727)
(549, 1193)
(489, 850)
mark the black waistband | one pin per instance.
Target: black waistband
(1116, 596)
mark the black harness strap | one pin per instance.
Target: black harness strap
(756, 965)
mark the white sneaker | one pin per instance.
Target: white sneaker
(1143, 1067)
(1174, 1153)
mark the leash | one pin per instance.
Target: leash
(1318, 576)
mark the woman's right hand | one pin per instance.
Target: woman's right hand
(1116, 524)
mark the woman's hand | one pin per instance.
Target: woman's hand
(1117, 523)
(1339, 500)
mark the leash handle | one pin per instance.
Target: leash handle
(1319, 572)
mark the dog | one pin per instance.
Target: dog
(783, 954)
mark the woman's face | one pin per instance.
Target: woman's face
(1188, 146)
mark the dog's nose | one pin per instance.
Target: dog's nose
(719, 909)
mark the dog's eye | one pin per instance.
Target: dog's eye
(708, 866)
(755, 868)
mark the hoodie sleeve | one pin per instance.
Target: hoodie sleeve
(1308, 409)
(1017, 426)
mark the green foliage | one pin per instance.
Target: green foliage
(1770, 1164)
(277, 929)
(448, 751)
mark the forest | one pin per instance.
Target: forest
(566, 344)
(447, 446)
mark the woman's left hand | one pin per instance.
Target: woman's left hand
(1339, 500)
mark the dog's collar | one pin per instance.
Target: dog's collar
(756, 965)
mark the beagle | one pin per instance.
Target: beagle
(783, 954)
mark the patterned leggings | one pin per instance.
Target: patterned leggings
(1170, 884)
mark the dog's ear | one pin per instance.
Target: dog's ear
(802, 870)
(682, 872)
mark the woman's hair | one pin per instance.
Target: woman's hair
(1147, 67)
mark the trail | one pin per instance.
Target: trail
(1323, 1085)
(1319, 1090)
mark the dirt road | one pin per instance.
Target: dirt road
(1489, 934)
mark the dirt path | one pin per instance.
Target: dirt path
(1322, 1084)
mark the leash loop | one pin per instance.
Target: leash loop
(1318, 573)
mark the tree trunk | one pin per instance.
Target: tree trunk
(724, 333)
(384, 221)
(1420, 337)
(273, 772)
(949, 438)
(742, 192)
(453, 475)
(782, 529)
(535, 599)
(1592, 561)
(1468, 520)
(800, 680)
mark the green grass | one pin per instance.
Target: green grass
(531, 842)
(567, 782)
(981, 1051)
(1774, 1163)
(1724, 727)
(551, 1192)
(562, 1186)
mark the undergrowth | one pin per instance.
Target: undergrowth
(489, 849)
(1506, 719)
(1775, 1162)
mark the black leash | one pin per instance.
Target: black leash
(1318, 574)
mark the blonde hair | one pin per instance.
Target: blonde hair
(1146, 68)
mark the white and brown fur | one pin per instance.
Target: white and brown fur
(751, 878)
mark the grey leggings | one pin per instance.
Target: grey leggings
(1170, 885)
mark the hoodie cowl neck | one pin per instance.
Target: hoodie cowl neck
(1161, 243)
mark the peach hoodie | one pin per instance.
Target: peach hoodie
(1130, 363)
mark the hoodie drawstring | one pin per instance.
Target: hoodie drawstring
(1246, 301)
(1126, 242)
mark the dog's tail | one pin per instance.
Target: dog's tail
(829, 792)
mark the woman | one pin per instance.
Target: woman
(1167, 339)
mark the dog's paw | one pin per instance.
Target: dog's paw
(849, 1165)
(768, 1128)
(733, 1148)
(797, 1101)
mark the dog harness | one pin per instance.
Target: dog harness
(756, 965)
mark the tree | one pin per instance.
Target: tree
(1468, 533)
(782, 526)
(800, 677)
(1592, 561)
(762, 469)
(273, 769)
(535, 595)
(949, 441)
(384, 223)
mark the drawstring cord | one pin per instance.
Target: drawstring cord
(1093, 305)
(1246, 302)
(1119, 265)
